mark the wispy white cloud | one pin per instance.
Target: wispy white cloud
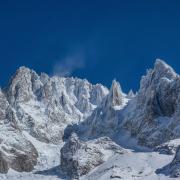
(67, 65)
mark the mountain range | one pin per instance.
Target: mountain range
(67, 128)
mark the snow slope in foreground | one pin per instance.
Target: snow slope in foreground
(138, 164)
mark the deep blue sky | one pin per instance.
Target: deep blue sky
(108, 38)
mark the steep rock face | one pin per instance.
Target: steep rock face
(152, 114)
(3, 164)
(175, 164)
(20, 87)
(158, 88)
(79, 157)
(172, 169)
(105, 117)
(115, 96)
(16, 152)
(44, 105)
(3, 106)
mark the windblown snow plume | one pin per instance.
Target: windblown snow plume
(67, 65)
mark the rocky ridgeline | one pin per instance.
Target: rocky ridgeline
(153, 115)
(43, 106)
(46, 107)
(105, 118)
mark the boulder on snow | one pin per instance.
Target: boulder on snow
(165, 149)
(24, 162)
(78, 158)
(175, 164)
(169, 147)
(172, 169)
(3, 164)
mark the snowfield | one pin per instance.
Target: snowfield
(139, 163)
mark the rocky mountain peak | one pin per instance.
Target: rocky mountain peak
(160, 72)
(22, 69)
(115, 95)
(45, 109)
(20, 86)
(130, 94)
(164, 70)
(156, 102)
(73, 143)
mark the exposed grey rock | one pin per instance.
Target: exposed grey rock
(3, 164)
(172, 169)
(3, 105)
(130, 94)
(165, 149)
(78, 158)
(20, 87)
(44, 105)
(24, 162)
(152, 114)
(105, 117)
(16, 151)
(115, 96)
(175, 164)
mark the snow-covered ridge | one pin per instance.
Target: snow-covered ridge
(45, 105)
(152, 116)
(39, 112)
(41, 106)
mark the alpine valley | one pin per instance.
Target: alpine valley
(63, 128)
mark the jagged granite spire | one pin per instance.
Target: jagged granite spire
(22, 85)
(163, 69)
(158, 97)
(130, 94)
(105, 119)
(58, 101)
(115, 97)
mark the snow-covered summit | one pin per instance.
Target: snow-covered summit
(104, 118)
(130, 94)
(45, 105)
(37, 110)
(151, 116)
(163, 69)
(115, 96)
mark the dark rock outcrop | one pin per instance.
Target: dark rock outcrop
(77, 158)
(16, 151)
(3, 164)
